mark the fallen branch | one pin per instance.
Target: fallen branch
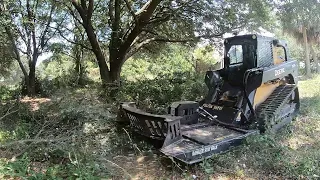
(125, 171)
(133, 144)
(7, 114)
(30, 145)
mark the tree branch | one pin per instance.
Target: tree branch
(110, 12)
(144, 7)
(144, 15)
(16, 51)
(22, 51)
(90, 9)
(42, 39)
(7, 114)
(211, 35)
(114, 42)
(84, 5)
(72, 42)
(173, 40)
(80, 10)
(135, 48)
(74, 16)
(32, 18)
(54, 33)
(21, 34)
(131, 11)
(150, 32)
(159, 19)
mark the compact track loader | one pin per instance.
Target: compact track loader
(256, 91)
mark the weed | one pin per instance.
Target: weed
(26, 169)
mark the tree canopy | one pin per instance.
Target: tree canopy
(126, 27)
(109, 32)
(302, 20)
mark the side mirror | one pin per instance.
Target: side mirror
(278, 43)
(275, 42)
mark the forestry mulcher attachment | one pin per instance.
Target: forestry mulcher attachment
(256, 91)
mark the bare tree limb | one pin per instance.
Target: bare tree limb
(21, 34)
(173, 40)
(32, 18)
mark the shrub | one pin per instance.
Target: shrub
(156, 94)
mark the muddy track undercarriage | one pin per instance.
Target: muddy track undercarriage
(278, 110)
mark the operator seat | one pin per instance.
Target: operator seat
(213, 82)
(235, 75)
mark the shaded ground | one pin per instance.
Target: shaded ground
(73, 134)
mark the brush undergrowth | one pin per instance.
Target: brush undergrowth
(86, 143)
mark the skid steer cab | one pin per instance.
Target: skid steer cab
(256, 91)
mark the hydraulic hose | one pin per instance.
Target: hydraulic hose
(246, 75)
(214, 118)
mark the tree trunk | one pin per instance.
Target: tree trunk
(17, 55)
(307, 58)
(118, 47)
(317, 64)
(31, 85)
(103, 67)
(315, 59)
(116, 62)
(79, 68)
(78, 71)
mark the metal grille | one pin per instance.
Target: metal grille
(146, 125)
(265, 54)
(152, 125)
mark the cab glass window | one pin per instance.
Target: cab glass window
(235, 54)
